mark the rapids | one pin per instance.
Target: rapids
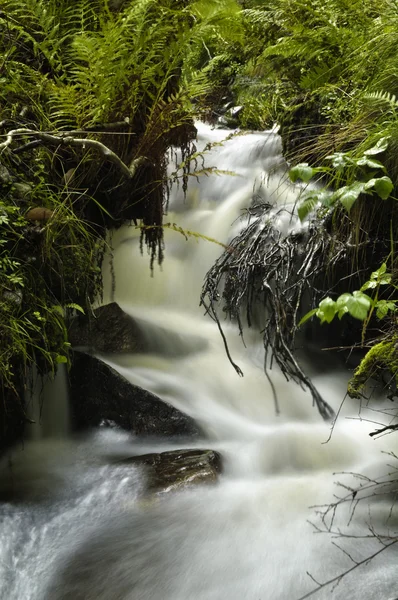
(76, 526)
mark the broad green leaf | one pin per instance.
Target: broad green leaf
(326, 198)
(349, 193)
(379, 277)
(359, 305)
(380, 271)
(308, 316)
(301, 171)
(384, 186)
(378, 148)
(371, 163)
(370, 184)
(341, 304)
(369, 285)
(385, 279)
(327, 310)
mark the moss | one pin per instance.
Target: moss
(382, 357)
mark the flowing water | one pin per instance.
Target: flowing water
(76, 525)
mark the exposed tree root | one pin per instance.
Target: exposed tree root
(264, 267)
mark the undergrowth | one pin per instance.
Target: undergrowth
(92, 97)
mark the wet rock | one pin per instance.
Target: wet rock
(177, 469)
(108, 330)
(21, 190)
(99, 394)
(5, 177)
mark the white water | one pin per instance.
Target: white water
(81, 530)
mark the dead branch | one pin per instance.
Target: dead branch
(383, 429)
(66, 139)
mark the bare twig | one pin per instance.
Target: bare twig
(338, 578)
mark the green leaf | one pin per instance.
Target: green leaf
(379, 277)
(359, 305)
(341, 304)
(339, 160)
(383, 307)
(307, 207)
(58, 309)
(371, 163)
(368, 285)
(301, 171)
(310, 201)
(381, 146)
(349, 193)
(308, 316)
(326, 198)
(381, 270)
(327, 310)
(75, 307)
(384, 186)
(60, 359)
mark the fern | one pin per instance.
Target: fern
(385, 97)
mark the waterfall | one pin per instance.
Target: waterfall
(82, 530)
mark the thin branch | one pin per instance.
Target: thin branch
(383, 429)
(65, 139)
(338, 578)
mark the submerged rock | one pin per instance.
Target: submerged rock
(99, 394)
(176, 469)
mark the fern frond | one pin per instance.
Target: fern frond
(381, 96)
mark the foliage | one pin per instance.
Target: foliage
(381, 357)
(92, 96)
(325, 71)
(47, 271)
(358, 304)
(344, 168)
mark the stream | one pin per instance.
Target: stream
(77, 525)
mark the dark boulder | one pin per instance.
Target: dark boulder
(176, 469)
(99, 393)
(109, 329)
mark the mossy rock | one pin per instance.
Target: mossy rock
(381, 358)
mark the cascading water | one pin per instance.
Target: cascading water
(81, 531)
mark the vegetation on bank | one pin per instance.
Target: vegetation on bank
(93, 93)
(326, 72)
